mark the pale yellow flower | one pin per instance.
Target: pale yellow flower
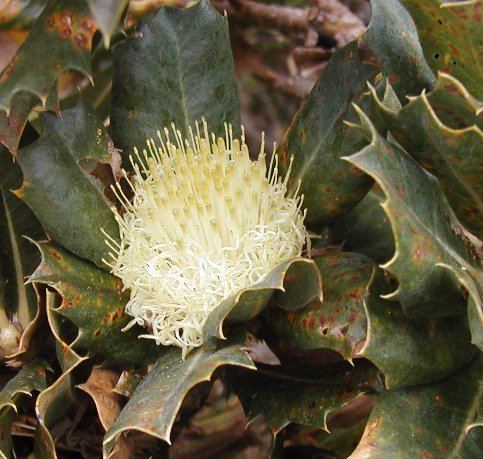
(205, 222)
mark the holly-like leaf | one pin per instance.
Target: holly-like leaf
(442, 419)
(300, 395)
(393, 39)
(318, 138)
(18, 257)
(54, 402)
(94, 301)
(452, 155)
(249, 302)
(412, 351)
(32, 377)
(66, 199)
(153, 406)
(365, 229)
(107, 14)
(302, 285)
(425, 229)
(13, 124)
(338, 322)
(176, 68)
(451, 37)
(60, 40)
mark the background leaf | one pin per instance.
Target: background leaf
(452, 155)
(338, 322)
(412, 351)
(318, 138)
(55, 401)
(302, 396)
(18, 257)
(176, 68)
(60, 40)
(427, 421)
(94, 301)
(32, 377)
(156, 401)
(393, 39)
(68, 201)
(451, 36)
(365, 229)
(424, 229)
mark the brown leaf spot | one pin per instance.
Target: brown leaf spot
(113, 316)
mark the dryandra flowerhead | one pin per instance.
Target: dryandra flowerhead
(205, 222)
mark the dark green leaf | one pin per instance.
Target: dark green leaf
(60, 40)
(452, 155)
(301, 396)
(176, 68)
(413, 351)
(339, 321)
(156, 401)
(365, 229)
(451, 36)
(66, 199)
(32, 377)
(13, 124)
(18, 257)
(54, 402)
(318, 138)
(393, 39)
(302, 284)
(425, 229)
(93, 300)
(439, 420)
(249, 302)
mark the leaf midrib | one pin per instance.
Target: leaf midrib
(22, 307)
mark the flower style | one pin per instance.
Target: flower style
(205, 223)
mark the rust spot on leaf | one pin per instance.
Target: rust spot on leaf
(113, 316)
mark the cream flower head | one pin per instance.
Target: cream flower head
(205, 222)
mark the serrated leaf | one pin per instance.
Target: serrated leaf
(424, 226)
(452, 155)
(365, 229)
(434, 420)
(451, 37)
(67, 200)
(153, 406)
(60, 40)
(300, 395)
(107, 13)
(318, 138)
(94, 301)
(32, 377)
(338, 322)
(413, 351)
(302, 284)
(176, 68)
(393, 39)
(249, 302)
(13, 124)
(56, 400)
(18, 257)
